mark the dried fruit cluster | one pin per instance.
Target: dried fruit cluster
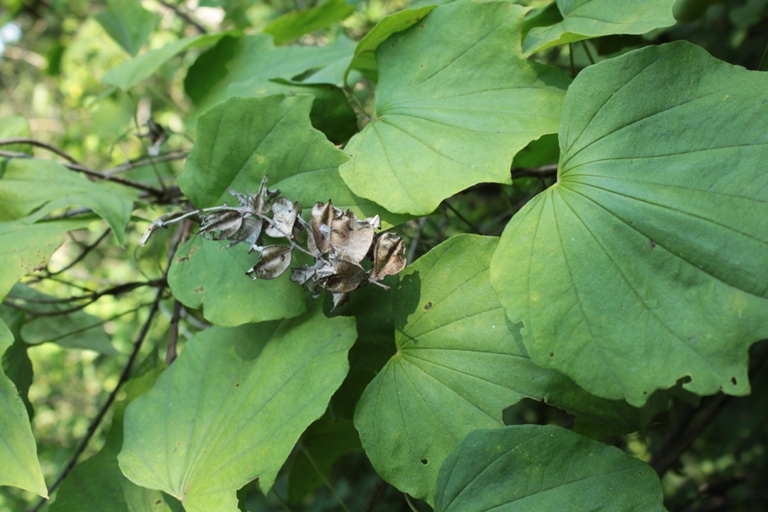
(338, 241)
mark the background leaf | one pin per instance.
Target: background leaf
(128, 23)
(18, 452)
(217, 418)
(584, 19)
(645, 263)
(543, 467)
(295, 24)
(43, 186)
(435, 132)
(27, 247)
(129, 73)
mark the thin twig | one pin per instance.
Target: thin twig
(83, 254)
(40, 144)
(173, 333)
(124, 376)
(322, 477)
(677, 445)
(181, 14)
(374, 496)
(90, 298)
(462, 218)
(415, 242)
(535, 172)
(93, 173)
(141, 162)
(586, 50)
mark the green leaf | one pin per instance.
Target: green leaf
(19, 466)
(295, 24)
(27, 247)
(77, 329)
(375, 343)
(218, 417)
(128, 23)
(320, 446)
(129, 73)
(455, 101)
(14, 126)
(242, 139)
(206, 273)
(584, 19)
(458, 365)
(543, 467)
(255, 60)
(98, 485)
(43, 186)
(18, 367)
(645, 263)
(397, 22)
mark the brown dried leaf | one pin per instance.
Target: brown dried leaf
(249, 232)
(340, 276)
(322, 218)
(351, 238)
(275, 259)
(226, 222)
(260, 201)
(339, 298)
(284, 217)
(388, 256)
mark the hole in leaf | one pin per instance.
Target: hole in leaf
(237, 385)
(551, 354)
(427, 306)
(158, 502)
(733, 381)
(424, 461)
(686, 379)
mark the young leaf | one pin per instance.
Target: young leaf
(217, 418)
(584, 19)
(19, 466)
(543, 467)
(645, 264)
(437, 132)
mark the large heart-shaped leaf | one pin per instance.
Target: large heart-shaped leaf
(543, 467)
(241, 140)
(43, 186)
(217, 418)
(458, 365)
(18, 452)
(645, 263)
(584, 19)
(455, 101)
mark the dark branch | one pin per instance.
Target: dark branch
(181, 14)
(40, 144)
(83, 254)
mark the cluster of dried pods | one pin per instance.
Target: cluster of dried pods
(338, 241)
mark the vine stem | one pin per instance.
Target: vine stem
(410, 503)
(322, 476)
(124, 376)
